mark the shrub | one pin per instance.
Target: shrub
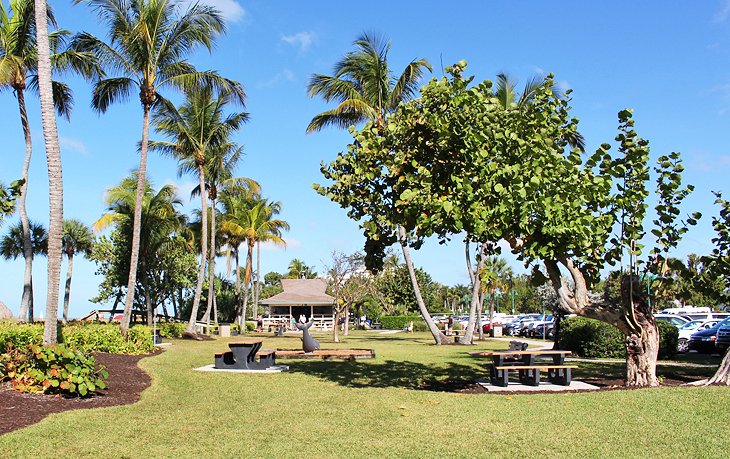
(51, 369)
(172, 329)
(398, 322)
(591, 338)
(108, 338)
(250, 326)
(595, 339)
(420, 326)
(19, 335)
(668, 339)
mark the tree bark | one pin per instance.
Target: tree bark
(437, 334)
(257, 284)
(239, 306)
(67, 291)
(26, 303)
(211, 265)
(346, 330)
(137, 223)
(55, 173)
(336, 328)
(722, 375)
(203, 251)
(634, 317)
(476, 289)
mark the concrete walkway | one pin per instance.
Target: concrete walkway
(532, 344)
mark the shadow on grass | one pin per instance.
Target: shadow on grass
(390, 373)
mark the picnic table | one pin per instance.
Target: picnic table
(243, 354)
(528, 364)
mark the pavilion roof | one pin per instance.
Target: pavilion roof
(301, 292)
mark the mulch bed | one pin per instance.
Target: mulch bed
(126, 381)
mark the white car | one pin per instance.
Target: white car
(686, 330)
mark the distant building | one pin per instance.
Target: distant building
(301, 297)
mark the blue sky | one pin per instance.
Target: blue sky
(668, 60)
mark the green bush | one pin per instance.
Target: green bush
(668, 339)
(19, 335)
(108, 338)
(591, 338)
(250, 326)
(398, 322)
(420, 326)
(172, 329)
(51, 369)
(595, 339)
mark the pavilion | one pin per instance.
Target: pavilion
(301, 297)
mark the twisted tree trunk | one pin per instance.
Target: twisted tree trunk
(26, 303)
(634, 317)
(55, 173)
(476, 288)
(722, 376)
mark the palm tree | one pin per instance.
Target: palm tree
(19, 71)
(199, 129)
(223, 161)
(148, 43)
(253, 219)
(161, 224)
(299, 270)
(77, 238)
(12, 244)
(509, 98)
(364, 86)
(494, 276)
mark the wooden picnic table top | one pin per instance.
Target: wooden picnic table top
(528, 352)
(245, 342)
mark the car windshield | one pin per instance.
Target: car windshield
(723, 323)
(691, 325)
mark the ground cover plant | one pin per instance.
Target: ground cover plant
(393, 406)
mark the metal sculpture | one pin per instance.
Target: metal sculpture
(309, 344)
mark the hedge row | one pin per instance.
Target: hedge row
(400, 322)
(92, 337)
(595, 339)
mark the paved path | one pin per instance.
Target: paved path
(533, 344)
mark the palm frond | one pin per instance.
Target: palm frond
(111, 90)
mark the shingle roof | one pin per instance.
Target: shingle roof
(301, 291)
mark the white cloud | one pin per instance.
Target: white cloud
(183, 188)
(230, 9)
(724, 13)
(284, 76)
(67, 143)
(301, 40)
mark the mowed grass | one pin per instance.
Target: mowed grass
(380, 408)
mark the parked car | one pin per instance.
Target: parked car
(686, 331)
(723, 336)
(704, 341)
(673, 319)
(532, 329)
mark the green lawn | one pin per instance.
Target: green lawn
(375, 408)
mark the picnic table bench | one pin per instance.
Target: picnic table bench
(528, 365)
(243, 355)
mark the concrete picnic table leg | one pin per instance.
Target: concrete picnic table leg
(244, 355)
(499, 377)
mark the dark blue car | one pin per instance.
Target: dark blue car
(705, 341)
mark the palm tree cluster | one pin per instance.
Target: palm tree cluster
(146, 49)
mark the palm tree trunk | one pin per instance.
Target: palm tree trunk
(438, 336)
(67, 291)
(211, 265)
(257, 285)
(26, 304)
(137, 223)
(346, 330)
(147, 299)
(246, 282)
(238, 285)
(203, 251)
(55, 173)
(479, 316)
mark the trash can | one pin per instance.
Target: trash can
(225, 330)
(497, 330)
